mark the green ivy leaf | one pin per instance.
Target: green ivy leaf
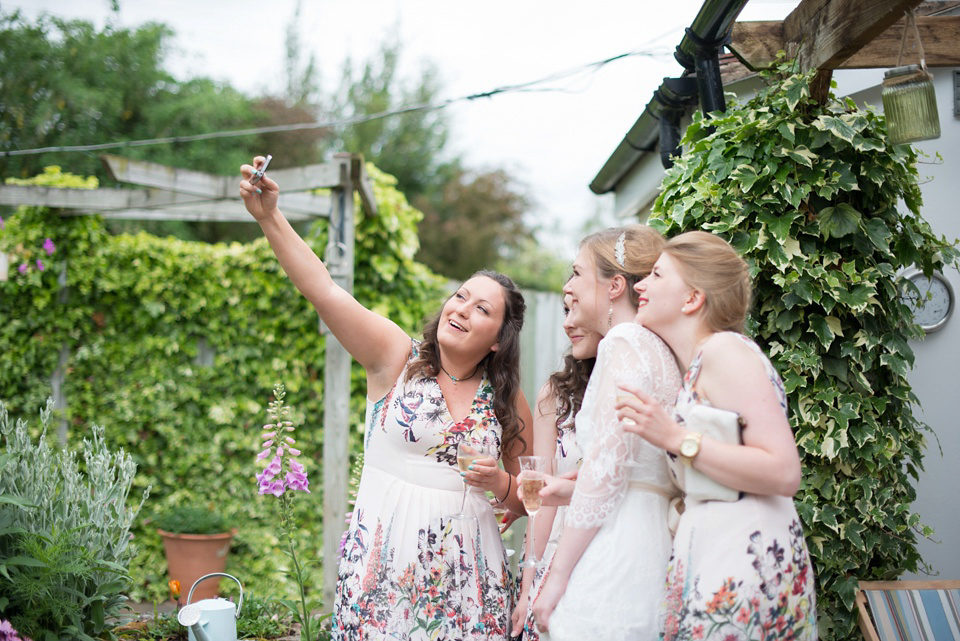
(839, 221)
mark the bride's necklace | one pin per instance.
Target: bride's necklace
(461, 378)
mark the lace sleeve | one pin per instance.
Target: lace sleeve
(623, 357)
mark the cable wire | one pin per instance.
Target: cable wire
(592, 67)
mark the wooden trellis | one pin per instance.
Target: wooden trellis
(183, 195)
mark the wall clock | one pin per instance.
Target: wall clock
(934, 304)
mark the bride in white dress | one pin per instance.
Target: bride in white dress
(606, 579)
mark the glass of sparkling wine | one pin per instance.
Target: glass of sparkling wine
(532, 470)
(466, 455)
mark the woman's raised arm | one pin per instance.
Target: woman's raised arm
(377, 343)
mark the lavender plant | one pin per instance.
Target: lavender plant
(282, 476)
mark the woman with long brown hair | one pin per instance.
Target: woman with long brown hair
(422, 559)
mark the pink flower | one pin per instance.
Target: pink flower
(2, 225)
(39, 264)
(49, 247)
(23, 268)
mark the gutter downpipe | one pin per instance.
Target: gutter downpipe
(713, 25)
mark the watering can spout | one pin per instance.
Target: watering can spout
(211, 619)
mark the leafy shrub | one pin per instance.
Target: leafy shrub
(191, 519)
(66, 544)
(809, 195)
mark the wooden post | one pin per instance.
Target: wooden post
(336, 385)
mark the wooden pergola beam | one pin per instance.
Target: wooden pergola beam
(162, 205)
(821, 34)
(756, 44)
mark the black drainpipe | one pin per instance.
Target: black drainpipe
(699, 53)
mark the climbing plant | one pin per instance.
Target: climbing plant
(827, 213)
(174, 348)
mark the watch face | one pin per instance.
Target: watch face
(933, 304)
(688, 448)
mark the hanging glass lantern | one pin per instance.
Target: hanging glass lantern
(910, 105)
(909, 100)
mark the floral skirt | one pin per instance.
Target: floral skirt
(740, 571)
(409, 571)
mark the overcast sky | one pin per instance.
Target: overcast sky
(553, 142)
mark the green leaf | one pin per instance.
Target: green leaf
(836, 222)
(878, 233)
(799, 154)
(835, 126)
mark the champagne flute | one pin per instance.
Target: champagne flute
(532, 469)
(466, 455)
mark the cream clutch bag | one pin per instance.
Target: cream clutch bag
(720, 425)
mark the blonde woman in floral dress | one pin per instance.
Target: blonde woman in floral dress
(408, 570)
(740, 569)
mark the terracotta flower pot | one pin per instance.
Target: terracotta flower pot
(190, 556)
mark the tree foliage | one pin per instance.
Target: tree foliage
(66, 83)
(470, 221)
(136, 315)
(828, 213)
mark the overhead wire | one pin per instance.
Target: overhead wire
(525, 87)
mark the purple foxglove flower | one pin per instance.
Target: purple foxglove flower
(298, 482)
(2, 226)
(264, 454)
(268, 435)
(23, 268)
(297, 467)
(49, 247)
(289, 440)
(280, 450)
(293, 451)
(275, 466)
(39, 264)
(278, 488)
(269, 426)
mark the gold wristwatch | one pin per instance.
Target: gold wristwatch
(690, 447)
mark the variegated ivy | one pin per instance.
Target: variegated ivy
(827, 212)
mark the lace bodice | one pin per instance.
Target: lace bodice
(630, 354)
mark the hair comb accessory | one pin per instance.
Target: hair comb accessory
(620, 252)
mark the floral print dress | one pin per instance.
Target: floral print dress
(740, 570)
(407, 570)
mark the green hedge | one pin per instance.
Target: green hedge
(133, 314)
(828, 213)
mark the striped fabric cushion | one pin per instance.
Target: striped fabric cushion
(916, 615)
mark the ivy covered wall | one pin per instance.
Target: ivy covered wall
(827, 212)
(140, 316)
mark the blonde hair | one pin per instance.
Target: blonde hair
(642, 246)
(708, 263)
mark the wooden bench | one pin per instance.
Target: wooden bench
(909, 610)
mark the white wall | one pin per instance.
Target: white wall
(935, 371)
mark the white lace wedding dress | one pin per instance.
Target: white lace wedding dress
(624, 488)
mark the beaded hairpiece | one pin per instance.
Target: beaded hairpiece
(619, 252)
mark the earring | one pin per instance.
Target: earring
(610, 316)
(684, 309)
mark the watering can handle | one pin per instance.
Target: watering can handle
(212, 574)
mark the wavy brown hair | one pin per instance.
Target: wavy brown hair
(502, 366)
(568, 385)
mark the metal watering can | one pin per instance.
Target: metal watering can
(211, 619)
